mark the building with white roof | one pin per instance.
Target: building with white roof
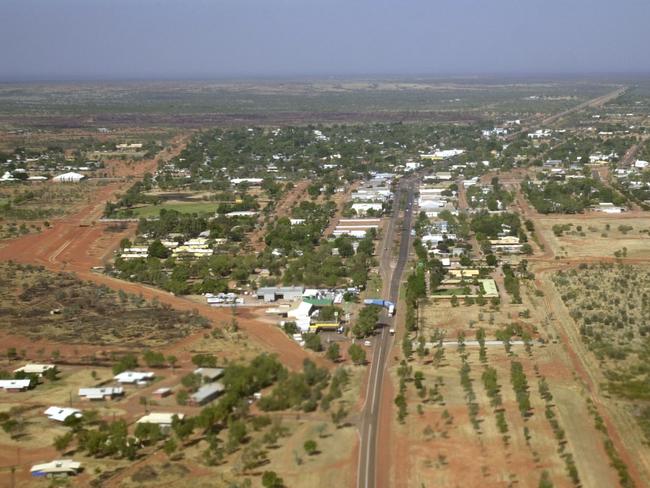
(133, 377)
(56, 468)
(37, 369)
(60, 414)
(106, 393)
(70, 177)
(15, 385)
(160, 418)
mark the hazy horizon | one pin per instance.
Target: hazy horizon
(201, 40)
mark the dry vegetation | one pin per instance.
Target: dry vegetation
(58, 306)
(602, 236)
(610, 304)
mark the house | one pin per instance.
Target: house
(364, 208)
(207, 393)
(411, 166)
(60, 414)
(490, 289)
(15, 385)
(250, 181)
(56, 468)
(106, 393)
(164, 420)
(609, 208)
(539, 134)
(241, 213)
(134, 377)
(209, 374)
(506, 244)
(70, 177)
(37, 369)
(443, 154)
(463, 273)
(125, 147)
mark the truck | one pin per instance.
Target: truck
(390, 306)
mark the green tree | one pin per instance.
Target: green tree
(271, 480)
(333, 352)
(172, 360)
(205, 360)
(236, 434)
(313, 342)
(311, 447)
(545, 480)
(125, 363)
(157, 250)
(62, 442)
(153, 359)
(357, 354)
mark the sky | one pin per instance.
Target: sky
(213, 39)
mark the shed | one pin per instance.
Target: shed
(207, 393)
(273, 293)
(209, 374)
(162, 392)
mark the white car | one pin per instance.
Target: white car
(367, 343)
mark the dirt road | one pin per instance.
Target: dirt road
(67, 246)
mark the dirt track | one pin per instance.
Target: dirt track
(67, 246)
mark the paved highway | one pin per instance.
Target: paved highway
(383, 342)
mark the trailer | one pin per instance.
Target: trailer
(388, 305)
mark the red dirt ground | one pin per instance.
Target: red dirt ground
(67, 246)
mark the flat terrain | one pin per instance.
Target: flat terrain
(59, 307)
(595, 235)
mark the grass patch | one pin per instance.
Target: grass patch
(150, 211)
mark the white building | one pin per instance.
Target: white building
(15, 385)
(363, 208)
(106, 393)
(56, 468)
(37, 369)
(60, 414)
(134, 377)
(70, 177)
(164, 420)
(609, 208)
(250, 181)
(539, 134)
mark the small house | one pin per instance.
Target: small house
(56, 468)
(163, 420)
(134, 377)
(106, 393)
(36, 369)
(14, 386)
(60, 414)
